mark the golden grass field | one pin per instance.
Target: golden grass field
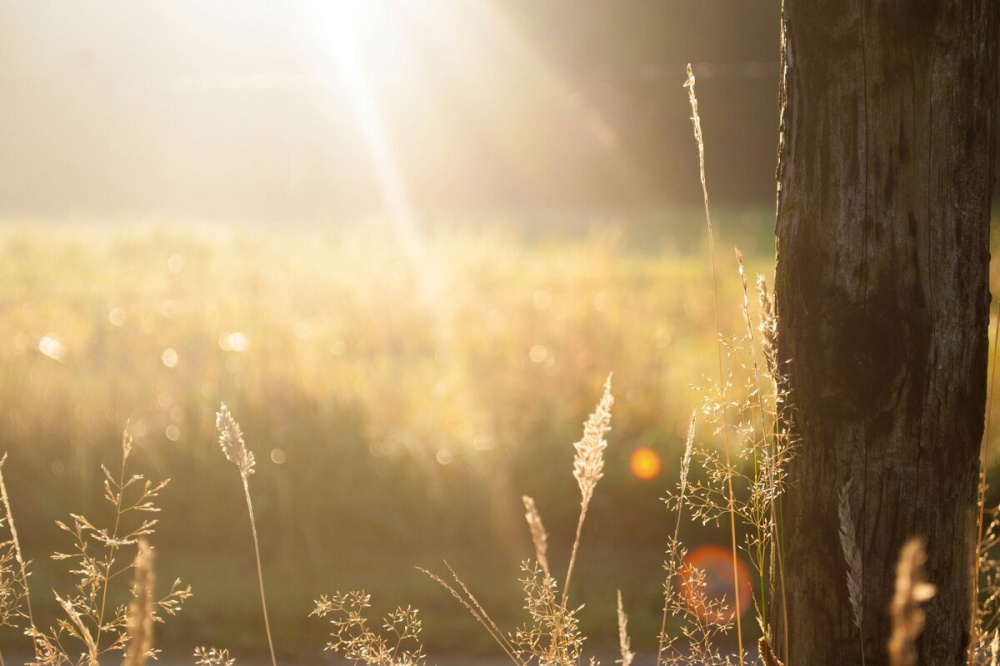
(399, 399)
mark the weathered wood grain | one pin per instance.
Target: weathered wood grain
(886, 167)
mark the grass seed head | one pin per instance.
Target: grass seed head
(231, 441)
(852, 554)
(624, 643)
(588, 465)
(539, 537)
(907, 613)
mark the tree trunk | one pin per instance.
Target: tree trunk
(884, 183)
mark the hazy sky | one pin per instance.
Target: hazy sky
(268, 110)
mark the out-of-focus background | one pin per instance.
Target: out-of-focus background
(405, 241)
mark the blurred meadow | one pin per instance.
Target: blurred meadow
(399, 404)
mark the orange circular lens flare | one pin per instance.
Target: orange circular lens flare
(707, 584)
(645, 463)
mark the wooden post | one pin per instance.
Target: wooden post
(886, 169)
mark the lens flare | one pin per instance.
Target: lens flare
(645, 463)
(707, 584)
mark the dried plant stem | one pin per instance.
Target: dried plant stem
(983, 461)
(696, 120)
(853, 559)
(260, 572)
(588, 465)
(477, 612)
(235, 450)
(22, 565)
(760, 507)
(685, 466)
(572, 557)
(624, 644)
(126, 449)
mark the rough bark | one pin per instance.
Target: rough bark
(884, 183)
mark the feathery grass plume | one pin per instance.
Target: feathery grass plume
(78, 630)
(589, 461)
(231, 441)
(699, 138)
(140, 611)
(852, 554)
(852, 557)
(768, 325)
(686, 458)
(212, 657)
(539, 537)
(907, 614)
(588, 465)
(623, 641)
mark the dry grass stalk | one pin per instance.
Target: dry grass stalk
(352, 636)
(761, 471)
(686, 461)
(140, 612)
(668, 584)
(768, 325)
(212, 657)
(852, 554)
(90, 616)
(231, 441)
(623, 641)
(852, 557)
(472, 605)
(539, 537)
(983, 460)
(766, 653)
(907, 614)
(588, 465)
(699, 138)
(76, 628)
(18, 557)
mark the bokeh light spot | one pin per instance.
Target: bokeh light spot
(538, 354)
(173, 433)
(645, 463)
(170, 357)
(236, 341)
(117, 317)
(707, 584)
(52, 348)
(278, 456)
(176, 263)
